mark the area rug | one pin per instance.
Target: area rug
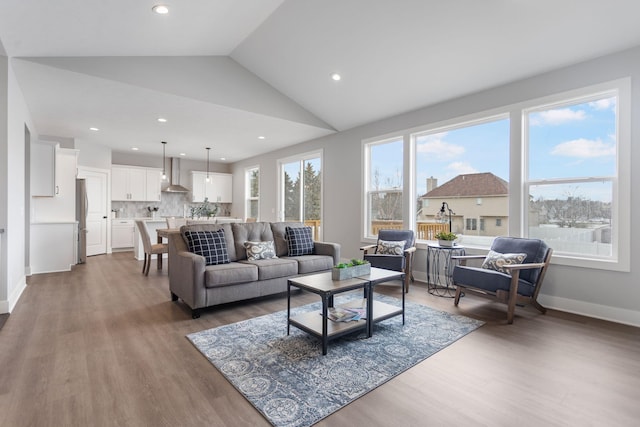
(289, 381)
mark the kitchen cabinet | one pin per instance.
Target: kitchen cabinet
(219, 189)
(62, 206)
(122, 233)
(130, 183)
(154, 182)
(43, 167)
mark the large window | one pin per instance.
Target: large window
(252, 192)
(301, 191)
(556, 168)
(466, 168)
(572, 171)
(384, 161)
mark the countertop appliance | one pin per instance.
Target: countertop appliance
(82, 205)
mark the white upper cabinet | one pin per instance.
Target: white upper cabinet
(219, 189)
(43, 168)
(130, 183)
(62, 206)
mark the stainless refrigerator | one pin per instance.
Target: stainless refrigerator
(82, 205)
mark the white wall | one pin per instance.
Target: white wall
(597, 293)
(93, 155)
(13, 267)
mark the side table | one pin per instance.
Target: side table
(440, 269)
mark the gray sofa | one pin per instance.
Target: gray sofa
(200, 285)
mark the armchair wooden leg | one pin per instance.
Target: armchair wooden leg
(456, 299)
(537, 305)
(513, 296)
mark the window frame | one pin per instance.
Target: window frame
(247, 191)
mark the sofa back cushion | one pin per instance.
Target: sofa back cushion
(249, 232)
(279, 230)
(209, 244)
(299, 241)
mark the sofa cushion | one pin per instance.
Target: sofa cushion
(209, 244)
(496, 261)
(390, 247)
(313, 263)
(260, 250)
(299, 241)
(274, 268)
(250, 231)
(228, 235)
(229, 274)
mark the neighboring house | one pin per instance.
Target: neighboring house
(479, 202)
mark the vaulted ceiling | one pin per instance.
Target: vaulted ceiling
(225, 72)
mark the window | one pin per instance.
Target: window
(572, 171)
(498, 222)
(301, 190)
(252, 192)
(384, 166)
(465, 165)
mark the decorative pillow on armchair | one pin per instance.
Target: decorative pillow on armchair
(260, 250)
(391, 248)
(497, 261)
(210, 244)
(299, 241)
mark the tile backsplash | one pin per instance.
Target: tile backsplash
(170, 204)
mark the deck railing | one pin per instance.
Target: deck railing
(315, 225)
(424, 230)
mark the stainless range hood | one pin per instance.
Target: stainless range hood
(174, 183)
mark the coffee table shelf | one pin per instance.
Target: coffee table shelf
(311, 323)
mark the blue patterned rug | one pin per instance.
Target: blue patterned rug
(289, 381)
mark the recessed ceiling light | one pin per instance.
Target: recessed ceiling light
(94, 129)
(134, 148)
(183, 154)
(162, 120)
(223, 158)
(160, 9)
(261, 137)
(336, 77)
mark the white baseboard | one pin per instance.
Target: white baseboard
(588, 309)
(7, 306)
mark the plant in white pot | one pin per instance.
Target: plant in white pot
(446, 238)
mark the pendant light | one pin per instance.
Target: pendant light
(208, 150)
(164, 173)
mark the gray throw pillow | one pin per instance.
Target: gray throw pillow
(497, 261)
(391, 247)
(260, 250)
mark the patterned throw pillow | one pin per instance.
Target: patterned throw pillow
(210, 244)
(260, 250)
(496, 261)
(390, 248)
(299, 241)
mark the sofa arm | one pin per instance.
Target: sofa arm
(186, 278)
(330, 249)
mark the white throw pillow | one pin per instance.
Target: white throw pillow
(390, 248)
(497, 261)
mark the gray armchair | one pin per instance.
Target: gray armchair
(505, 275)
(387, 254)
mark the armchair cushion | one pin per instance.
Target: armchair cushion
(496, 261)
(299, 241)
(388, 262)
(209, 244)
(535, 249)
(391, 248)
(489, 280)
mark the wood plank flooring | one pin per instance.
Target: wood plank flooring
(104, 346)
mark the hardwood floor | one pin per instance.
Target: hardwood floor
(105, 346)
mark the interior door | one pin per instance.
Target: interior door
(97, 210)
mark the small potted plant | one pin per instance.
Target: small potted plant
(446, 238)
(152, 211)
(348, 270)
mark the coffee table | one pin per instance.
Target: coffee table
(323, 285)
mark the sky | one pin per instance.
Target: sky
(570, 141)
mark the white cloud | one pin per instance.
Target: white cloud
(557, 117)
(439, 149)
(458, 168)
(603, 104)
(584, 149)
